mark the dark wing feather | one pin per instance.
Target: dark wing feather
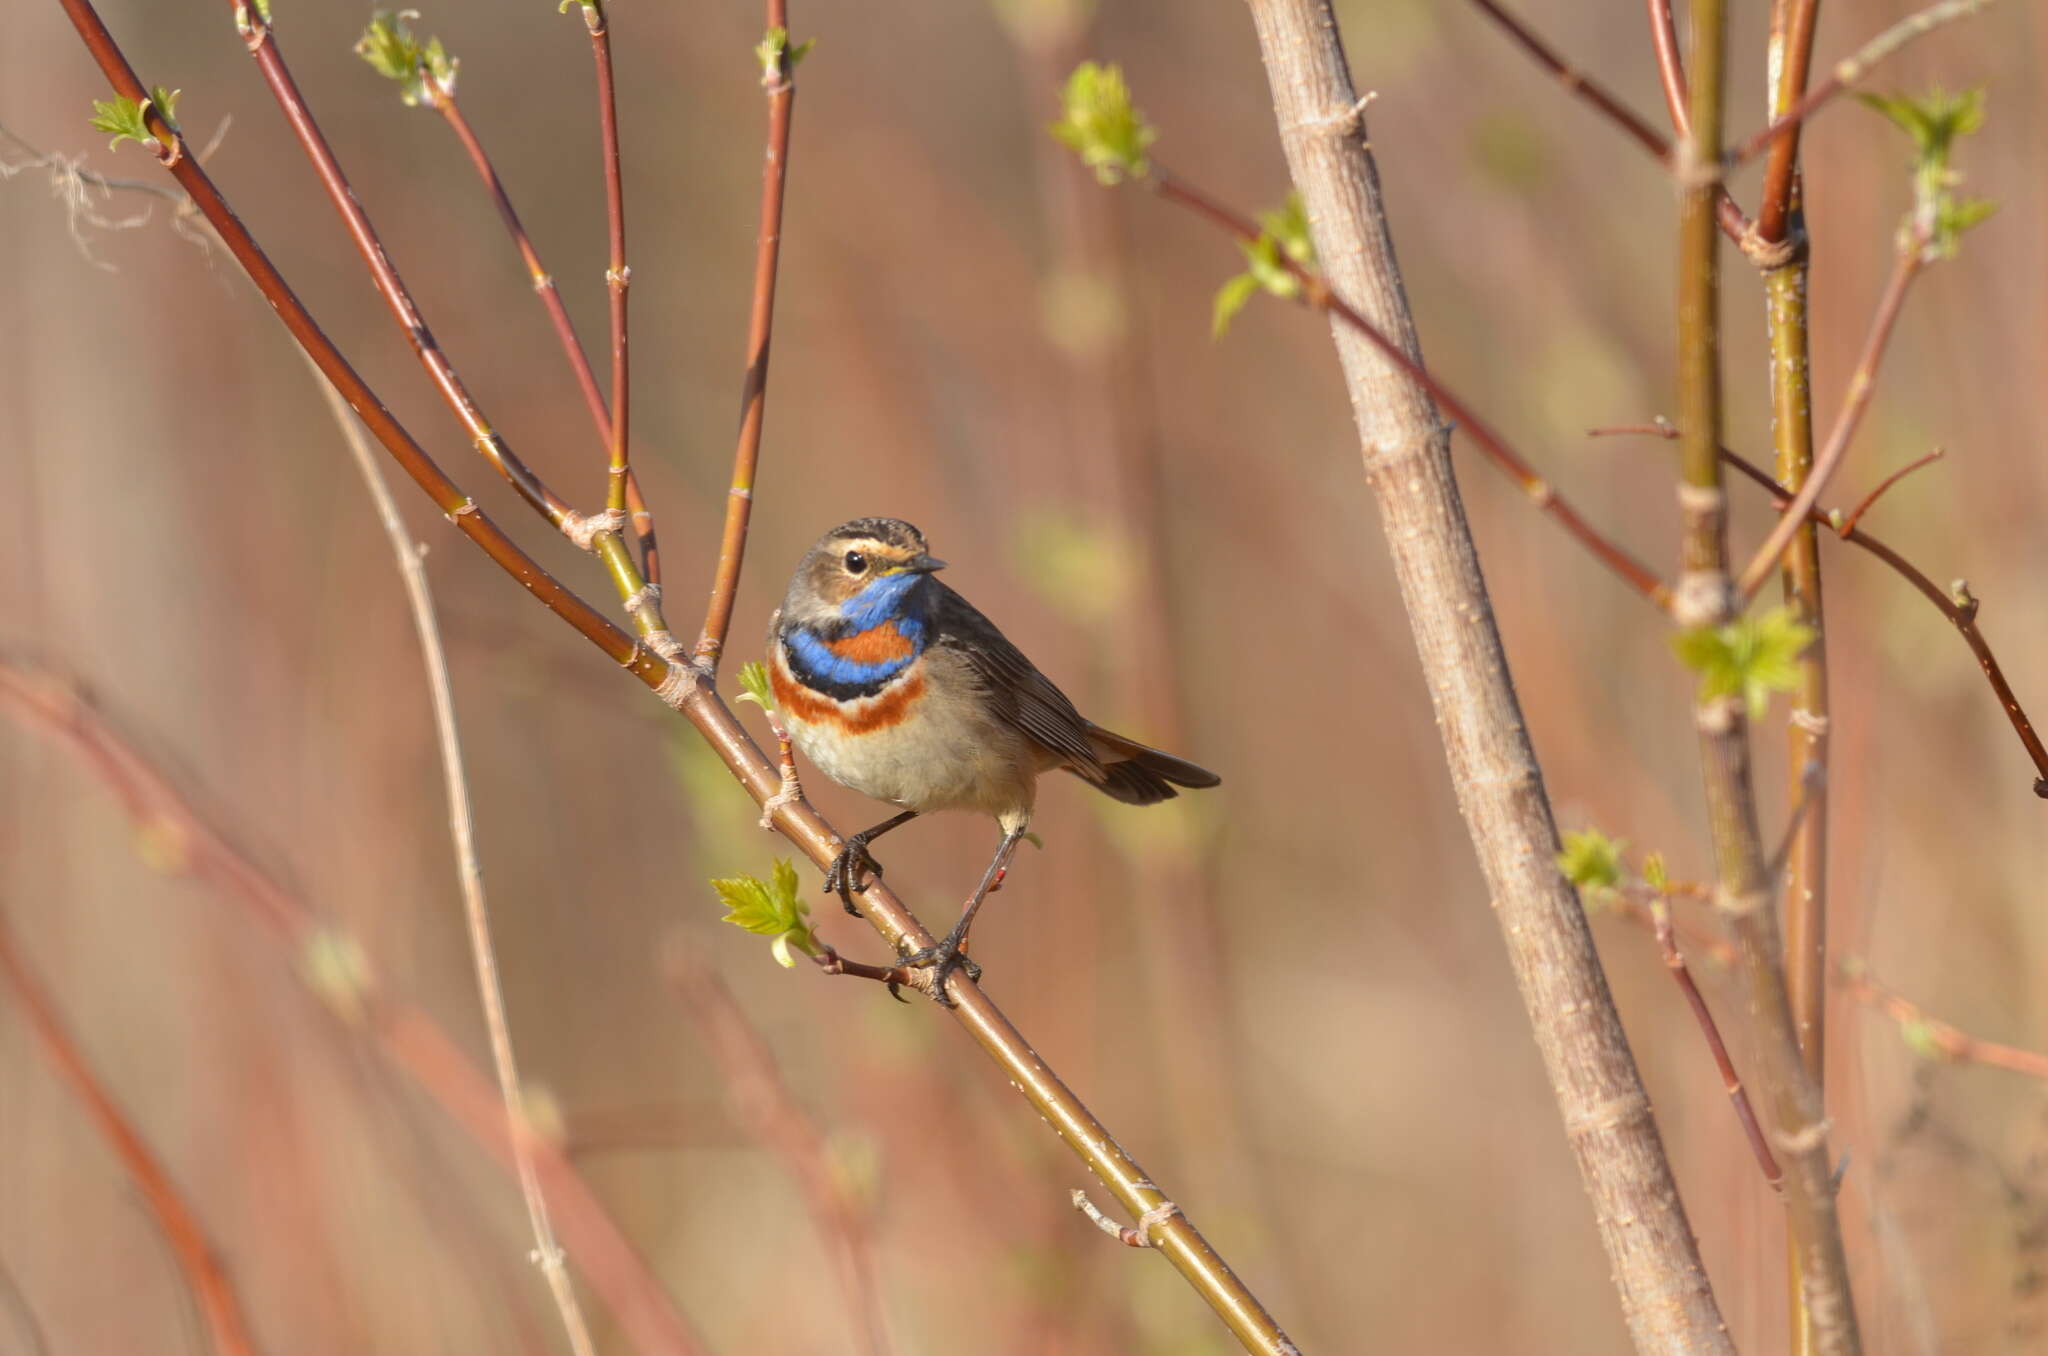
(1018, 692)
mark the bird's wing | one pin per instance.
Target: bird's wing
(1018, 692)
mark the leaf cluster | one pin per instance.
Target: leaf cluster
(754, 685)
(772, 908)
(395, 53)
(1935, 122)
(1098, 123)
(778, 55)
(1283, 234)
(1750, 657)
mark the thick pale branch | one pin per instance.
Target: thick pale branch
(1666, 1300)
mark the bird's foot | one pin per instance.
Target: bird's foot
(843, 877)
(942, 960)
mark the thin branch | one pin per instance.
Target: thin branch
(1862, 386)
(617, 276)
(1705, 598)
(1670, 66)
(1855, 515)
(1930, 1034)
(779, 85)
(443, 100)
(1674, 961)
(1850, 70)
(761, 1101)
(1956, 604)
(180, 1225)
(548, 1252)
(1728, 213)
(1792, 27)
(689, 691)
(1317, 293)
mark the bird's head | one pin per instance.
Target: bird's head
(861, 572)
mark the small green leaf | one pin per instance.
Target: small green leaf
(773, 48)
(754, 679)
(1918, 1035)
(1283, 235)
(1935, 122)
(773, 908)
(1098, 123)
(1654, 874)
(128, 120)
(424, 70)
(1591, 860)
(1750, 657)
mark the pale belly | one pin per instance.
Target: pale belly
(941, 756)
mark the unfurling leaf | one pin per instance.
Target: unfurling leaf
(775, 46)
(393, 51)
(1750, 657)
(1654, 874)
(772, 908)
(1935, 122)
(128, 120)
(754, 679)
(1591, 860)
(1098, 123)
(1283, 235)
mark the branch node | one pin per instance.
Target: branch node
(663, 643)
(1771, 255)
(1139, 1237)
(681, 681)
(1811, 722)
(583, 528)
(644, 596)
(464, 510)
(1702, 597)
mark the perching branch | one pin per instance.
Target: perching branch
(778, 64)
(1931, 1035)
(1666, 1300)
(215, 1292)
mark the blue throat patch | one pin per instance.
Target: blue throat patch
(882, 602)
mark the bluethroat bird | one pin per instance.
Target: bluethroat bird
(894, 685)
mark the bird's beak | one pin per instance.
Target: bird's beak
(924, 564)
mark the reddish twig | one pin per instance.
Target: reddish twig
(1727, 212)
(1929, 1034)
(762, 1103)
(1855, 515)
(1792, 60)
(181, 1227)
(1958, 605)
(778, 84)
(1670, 67)
(261, 40)
(444, 102)
(1674, 961)
(1862, 386)
(1316, 292)
(1850, 70)
(617, 276)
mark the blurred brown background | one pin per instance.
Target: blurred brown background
(1286, 997)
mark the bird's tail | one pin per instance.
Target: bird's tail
(1138, 774)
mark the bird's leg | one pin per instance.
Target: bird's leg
(949, 955)
(843, 876)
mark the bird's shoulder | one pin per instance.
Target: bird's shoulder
(1017, 692)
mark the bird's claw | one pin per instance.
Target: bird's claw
(942, 960)
(842, 878)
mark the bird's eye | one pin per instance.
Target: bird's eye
(856, 563)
